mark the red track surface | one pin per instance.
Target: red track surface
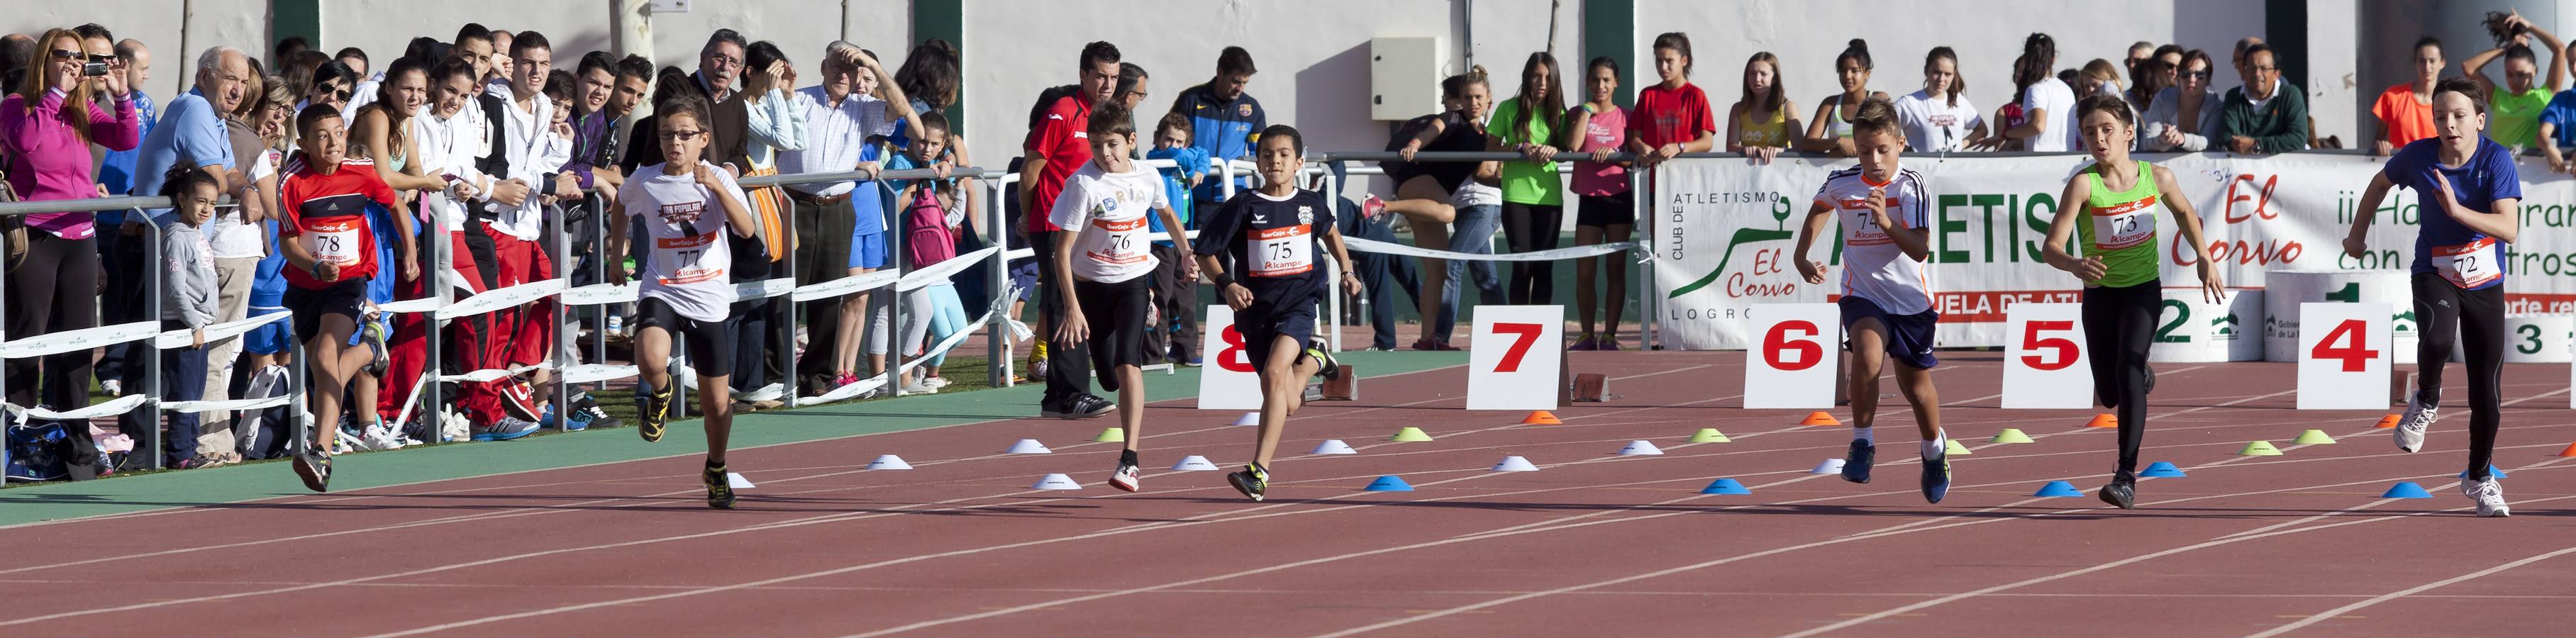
(1592, 543)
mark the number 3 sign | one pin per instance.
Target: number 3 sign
(2045, 362)
(1792, 366)
(1516, 359)
(2343, 346)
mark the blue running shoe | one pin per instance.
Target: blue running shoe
(1856, 463)
(1936, 478)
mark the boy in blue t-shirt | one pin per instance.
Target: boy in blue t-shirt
(1175, 297)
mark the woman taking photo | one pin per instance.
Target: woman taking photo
(47, 127)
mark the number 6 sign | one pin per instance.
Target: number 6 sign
(1792, 363)
(2045, 362)
(2343, 346)
(1516, 359)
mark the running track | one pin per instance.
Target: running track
(2299, 543)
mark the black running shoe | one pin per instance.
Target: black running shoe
(2151, 379)
(1332, 370)
(1081, 406)
(1252, 481)
(719, 488)
(1936, 478)
(599, 418)
(2121, 492)
(314, 466)
(1856, 462)
(656, 414)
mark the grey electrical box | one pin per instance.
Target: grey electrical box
(1404, 77)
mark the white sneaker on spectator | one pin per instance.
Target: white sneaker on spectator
(112, 387)
(454, 428)
(918, 387)
(381, 436)
(936, 382)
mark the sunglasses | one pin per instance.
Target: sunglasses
(2198, 74)
(60, 54)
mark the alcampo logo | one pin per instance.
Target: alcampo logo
(1780, 210)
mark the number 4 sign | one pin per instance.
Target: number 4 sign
(1227, 382)
(1517, 358)
(2045, 363)
(1793, 364)
(2343, 346)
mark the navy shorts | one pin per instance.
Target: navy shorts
(1909, 337)
(1263, 323)
(1024, 278)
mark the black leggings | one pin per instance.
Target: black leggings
(54, 291)
(1530, 228)
(2119, 325)
(2477, 316)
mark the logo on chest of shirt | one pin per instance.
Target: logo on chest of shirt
(681, 213)
(345, 205)
(1244, 110)
(1305, 215)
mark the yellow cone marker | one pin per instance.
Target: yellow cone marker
(2259, 448)
(1956, 449)
(1709, 435)
(2314, 437)
(1409, 434)
(2011, 435)
(1112, 435)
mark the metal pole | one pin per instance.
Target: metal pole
(787, 354)
(893, 294)
(1333, 197)
(997, 325)
(152, 287)
(563, 270)
(599, 273)
(300, 407)
(442, 260)
(1649, 298)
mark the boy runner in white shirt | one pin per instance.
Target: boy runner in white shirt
(686, 206)
(1101, 267)
(1886, 299)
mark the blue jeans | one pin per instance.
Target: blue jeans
(1472, 232)
(1377, 271)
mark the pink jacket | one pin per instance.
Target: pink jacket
(52, 162)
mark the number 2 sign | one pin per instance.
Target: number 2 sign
(2344, 352)
(1792, 363)
(2045, 362)
(1227, 382)
(1517, 354)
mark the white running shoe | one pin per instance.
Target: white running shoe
(936, 382)
(454, 427)
(2411, 428)
(918, 387)
(2490, 496)
(381, 436)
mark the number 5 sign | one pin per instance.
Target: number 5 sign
(2045, 362)
(1792, 366)
(1227, 382)
(2343, 346)
(1517, 358)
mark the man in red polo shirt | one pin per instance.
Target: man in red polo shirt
(1056, 147)
(331, 254)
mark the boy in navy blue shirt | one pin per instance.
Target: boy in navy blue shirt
(1274, 236)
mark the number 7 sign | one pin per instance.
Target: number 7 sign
(2045, 362)
(1792, 363)
(1517, 355)
(2343, 346)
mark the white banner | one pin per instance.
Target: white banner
(1724, 229)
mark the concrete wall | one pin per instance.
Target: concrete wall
(157, 23)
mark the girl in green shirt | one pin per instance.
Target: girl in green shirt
(1533, 195)
(2111, 207)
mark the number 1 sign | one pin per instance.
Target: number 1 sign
(2045, 362)
(1516, 359)
(1792, 365)
(2344, 353)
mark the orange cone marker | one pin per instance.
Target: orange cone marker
(2570, 451)
(2103, 421)
(1820, 418)
(1540, 417)
(2389, 421)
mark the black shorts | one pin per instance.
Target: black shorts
(710, 343)
(344, 298)
(1116, 313)
(1264, 322)
(1909, 337)
(1606, 210)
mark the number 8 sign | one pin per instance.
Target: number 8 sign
(1516, 359)
(2045, 362)
(1227, 382)
(2343, 346)
(1792, 366)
